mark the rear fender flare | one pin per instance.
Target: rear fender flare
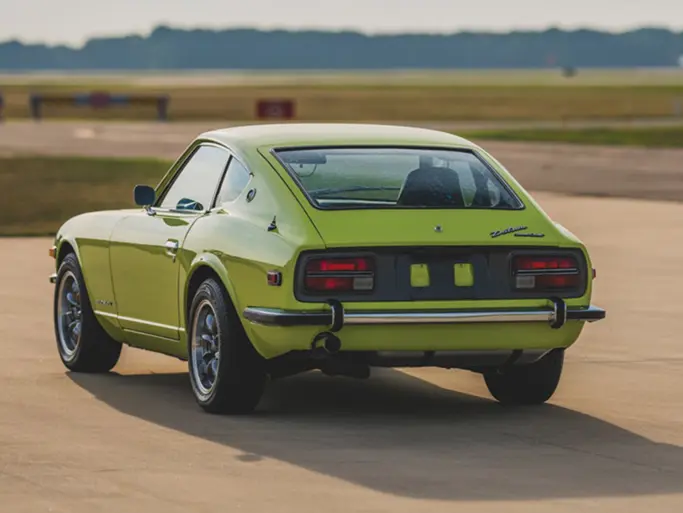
(216, 265)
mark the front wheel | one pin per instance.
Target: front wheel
(226, 372)
(82, 343)
(527, 384)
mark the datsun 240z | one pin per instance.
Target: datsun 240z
(268, 251)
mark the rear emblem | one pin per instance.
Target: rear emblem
(512, 229)
(532, 235)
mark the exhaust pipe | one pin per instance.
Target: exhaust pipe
(325, 344)
(325, 348)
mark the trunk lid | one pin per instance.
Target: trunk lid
(431, 227)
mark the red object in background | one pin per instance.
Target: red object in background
(275, 109)
(99, 99)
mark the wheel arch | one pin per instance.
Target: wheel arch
(204, 267)
(65, 247)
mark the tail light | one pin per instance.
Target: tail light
(355, 274)
(545, 273)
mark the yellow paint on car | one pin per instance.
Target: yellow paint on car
(419, 275)
(464, 275)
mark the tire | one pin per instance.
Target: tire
(226, 373)
(82, 344)
(527, 384)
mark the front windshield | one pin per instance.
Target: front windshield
(397, 178)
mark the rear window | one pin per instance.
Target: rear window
(397, 178)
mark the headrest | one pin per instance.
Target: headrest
(431, 187)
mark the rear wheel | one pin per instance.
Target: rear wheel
(226, 372)
(82, 343)
(527, 384)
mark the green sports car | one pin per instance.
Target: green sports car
(268, 251)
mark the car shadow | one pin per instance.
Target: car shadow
(400, 435)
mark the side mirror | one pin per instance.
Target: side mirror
(144, 195)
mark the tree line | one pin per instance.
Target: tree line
(167, 48)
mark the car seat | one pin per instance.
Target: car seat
(431, 187)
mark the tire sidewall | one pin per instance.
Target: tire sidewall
(70, 264)
(210, 291)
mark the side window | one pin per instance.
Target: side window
(194, 188)
(236, 179)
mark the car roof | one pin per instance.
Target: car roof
(318, 134)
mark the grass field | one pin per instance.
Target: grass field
(373, 96)
(652, 137)
(39, 194)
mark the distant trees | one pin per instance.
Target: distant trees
(167, 49)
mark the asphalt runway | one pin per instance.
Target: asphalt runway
(611, 440)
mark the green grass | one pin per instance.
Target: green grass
(374, 96)
(654, 137)
(39, 194)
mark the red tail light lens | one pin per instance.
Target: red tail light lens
(557, 281)
(530, 263)
(545, 273)
(327, 265)
(339, 275)
(319, 283)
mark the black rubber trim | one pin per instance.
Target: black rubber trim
(595, 314)
(337, 315)
(282, 318)
(560, 313)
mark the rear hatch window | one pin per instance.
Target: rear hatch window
(397, 178)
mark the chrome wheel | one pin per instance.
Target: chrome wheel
(205, 351)
(69, 315)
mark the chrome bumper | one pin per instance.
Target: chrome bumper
(337, 317)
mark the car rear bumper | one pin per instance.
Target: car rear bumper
(335, 317)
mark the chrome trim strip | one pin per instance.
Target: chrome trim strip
(362, 318)
(275, 317)
(106, 314)
(536, 272)
(138, 321)
(136, 332)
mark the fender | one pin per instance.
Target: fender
(215, 264)
(60, 240)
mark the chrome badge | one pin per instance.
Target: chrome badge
(532, 235)
(512, 229)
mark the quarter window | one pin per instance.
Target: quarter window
(196, 184)
(236, 179)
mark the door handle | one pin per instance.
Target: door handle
(171, 247)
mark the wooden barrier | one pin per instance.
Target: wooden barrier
(97, 100)
(275, 109)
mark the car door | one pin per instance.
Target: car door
(146, 248)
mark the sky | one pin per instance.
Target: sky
(74, 21)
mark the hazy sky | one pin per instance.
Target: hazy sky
(73, 21)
